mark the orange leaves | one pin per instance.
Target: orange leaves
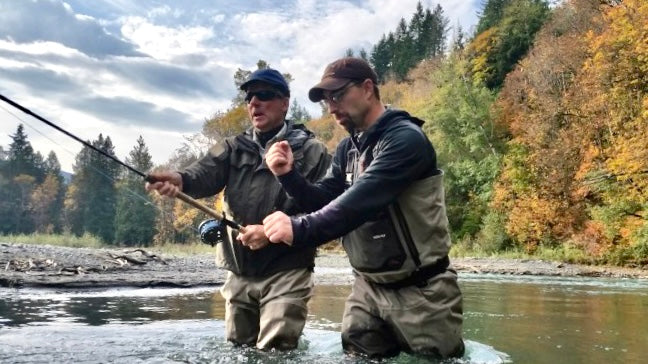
(619, 67)
(578, 106)
(533, 220)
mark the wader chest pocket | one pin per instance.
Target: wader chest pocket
(374, 246)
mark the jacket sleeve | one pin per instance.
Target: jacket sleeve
(208, 175)
(311, 194)
(403, 156)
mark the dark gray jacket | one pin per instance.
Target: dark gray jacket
(252, 192)
(384, 194)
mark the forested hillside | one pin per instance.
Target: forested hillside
(539, 118)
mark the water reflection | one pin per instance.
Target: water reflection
(583, 320)
(531, 319)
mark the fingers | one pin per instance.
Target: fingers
(278, 152)
(166, 183)
(163, 188)
(279, 158)
(278, 228)
(284, 146)
(253, 237)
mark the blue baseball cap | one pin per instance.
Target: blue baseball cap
(269, 76)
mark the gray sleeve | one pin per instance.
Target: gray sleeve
(208, 175)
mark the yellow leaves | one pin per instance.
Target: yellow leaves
(481, 51)
(24, 180)
(327, 130)
(42, 199)
(45, 194)
(591, 154)
(232, 122)
(531, 220)
(188, 217)
(585, 170)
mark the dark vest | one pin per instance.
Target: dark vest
(412, 234)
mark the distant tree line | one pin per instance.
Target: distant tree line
(424, 37)
(101, 199)
(104, 199)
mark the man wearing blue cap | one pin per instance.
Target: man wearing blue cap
(268, 285)
(384, 195)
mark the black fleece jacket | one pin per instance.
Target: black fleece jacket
(401, 155)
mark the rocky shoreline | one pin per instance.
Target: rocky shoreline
(26, 265)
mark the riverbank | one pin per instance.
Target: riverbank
(26, 265)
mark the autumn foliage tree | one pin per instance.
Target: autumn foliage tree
(575, 171)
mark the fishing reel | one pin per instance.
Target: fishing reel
(212, 231)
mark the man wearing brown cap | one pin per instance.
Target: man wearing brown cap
(384, 195)
(268, 285)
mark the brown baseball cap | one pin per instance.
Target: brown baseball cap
(341, 72)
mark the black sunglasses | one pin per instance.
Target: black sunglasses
(263, 95)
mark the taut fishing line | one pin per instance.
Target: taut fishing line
(96, 170)
(220, 221)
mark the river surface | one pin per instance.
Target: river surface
(506, 319)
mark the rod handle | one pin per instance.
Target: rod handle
(200, 206)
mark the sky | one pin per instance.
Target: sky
(160, 68)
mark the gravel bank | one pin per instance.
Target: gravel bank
(24, 265)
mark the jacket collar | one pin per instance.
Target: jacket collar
(389, 118)
(295, 134)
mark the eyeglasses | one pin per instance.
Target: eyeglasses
(336, 96)
(263, 95)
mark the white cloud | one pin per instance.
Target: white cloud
(161, 42)
(125, 68)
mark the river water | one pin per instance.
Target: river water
(506, 319)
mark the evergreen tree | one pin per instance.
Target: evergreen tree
(298, 113)
(20, 173)
(403, 50)
(438, 33)
(101, 217)
(135, 212)
(22, 159)
(77, 193)
(458, 39)
(513, 25)
(90, 203)
(381, 56)
(363, 54)
(423, 38)
(52, 168)
(517, 30)
(492, 14)
(417, 27)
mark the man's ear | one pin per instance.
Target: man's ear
(285, 103)
(368, 88)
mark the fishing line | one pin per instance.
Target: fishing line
(96, 170)
(182, 196)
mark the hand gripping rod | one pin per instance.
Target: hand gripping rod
(182, 196)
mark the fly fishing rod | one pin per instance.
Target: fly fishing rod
(148, 178)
